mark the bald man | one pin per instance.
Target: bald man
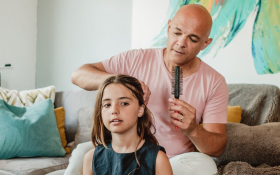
(205, 93)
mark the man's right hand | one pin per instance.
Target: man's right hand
(83, 77)
(146, 91)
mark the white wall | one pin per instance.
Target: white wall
(74, 32)
(147, 21)
(18, 31)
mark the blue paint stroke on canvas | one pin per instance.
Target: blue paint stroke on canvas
(229, 17)
(266, 38)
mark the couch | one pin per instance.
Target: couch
(260, 109)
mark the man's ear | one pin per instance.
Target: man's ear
(206, 43)
(169, 25)
(141, 111)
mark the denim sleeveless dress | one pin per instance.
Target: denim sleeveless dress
(108, 162)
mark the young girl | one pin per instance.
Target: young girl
(121, 135)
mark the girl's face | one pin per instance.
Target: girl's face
(120, 109)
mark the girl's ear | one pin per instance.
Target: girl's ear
(141, 111)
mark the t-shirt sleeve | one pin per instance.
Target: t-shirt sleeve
(215, 110)
(123, 63)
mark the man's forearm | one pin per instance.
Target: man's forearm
(212, 144)
(88, 77)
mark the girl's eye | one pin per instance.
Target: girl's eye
(124, 103)
(106, 105)
(177, 33)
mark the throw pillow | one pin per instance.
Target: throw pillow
(28, 97)
(234, 114)
(29, 131)
(252, 144)
(85, 124)
(60, 120)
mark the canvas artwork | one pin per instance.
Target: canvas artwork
(246, 38)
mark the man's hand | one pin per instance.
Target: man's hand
(210, 139)
(146, 91)
(186, 118)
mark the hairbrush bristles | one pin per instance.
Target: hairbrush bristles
(177, 81)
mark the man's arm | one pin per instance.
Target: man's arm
(210, 139)
(90, 76)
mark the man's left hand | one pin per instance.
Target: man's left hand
(186, 118)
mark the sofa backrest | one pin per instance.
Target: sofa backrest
(260, 104)
(72, 101)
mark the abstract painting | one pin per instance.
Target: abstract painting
(229, 17)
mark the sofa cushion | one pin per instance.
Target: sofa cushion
(260, 103)
(252, 144)
(28, 97)
(60, 120)
(34, 166)
(58, 172)
(72, 102)
(29, 132)
(237, 168)
(85, 124)
(234, 114)
(5, 173)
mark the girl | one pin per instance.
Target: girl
(121, 135)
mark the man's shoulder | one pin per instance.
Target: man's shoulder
(210, 71)
(140, 55)
(144, 51)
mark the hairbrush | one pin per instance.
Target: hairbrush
(177, 83)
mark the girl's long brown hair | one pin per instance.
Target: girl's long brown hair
(100, 134)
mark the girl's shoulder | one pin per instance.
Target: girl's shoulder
(87, 165)
(152, 146)
(89, 154)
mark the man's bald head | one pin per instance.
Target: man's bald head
(195, 14)
(187, 35)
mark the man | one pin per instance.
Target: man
(204, 99)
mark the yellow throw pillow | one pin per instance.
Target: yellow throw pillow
(60, 120)
(234, 114)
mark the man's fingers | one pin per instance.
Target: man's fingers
(146, 92)
(181, 109)
(182, 103)
(177, 123)
(176, 116)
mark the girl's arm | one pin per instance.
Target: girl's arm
(87, 164)
(163, 166)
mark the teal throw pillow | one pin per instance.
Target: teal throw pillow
(29, 131)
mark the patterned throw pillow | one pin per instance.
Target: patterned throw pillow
(28, 97)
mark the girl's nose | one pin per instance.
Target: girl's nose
(115, 109)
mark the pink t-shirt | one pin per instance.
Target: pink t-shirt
(205, 90)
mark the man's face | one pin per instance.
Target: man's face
(186, 37)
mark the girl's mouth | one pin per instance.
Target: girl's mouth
(116, 122)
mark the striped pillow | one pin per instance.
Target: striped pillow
(28, 97)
